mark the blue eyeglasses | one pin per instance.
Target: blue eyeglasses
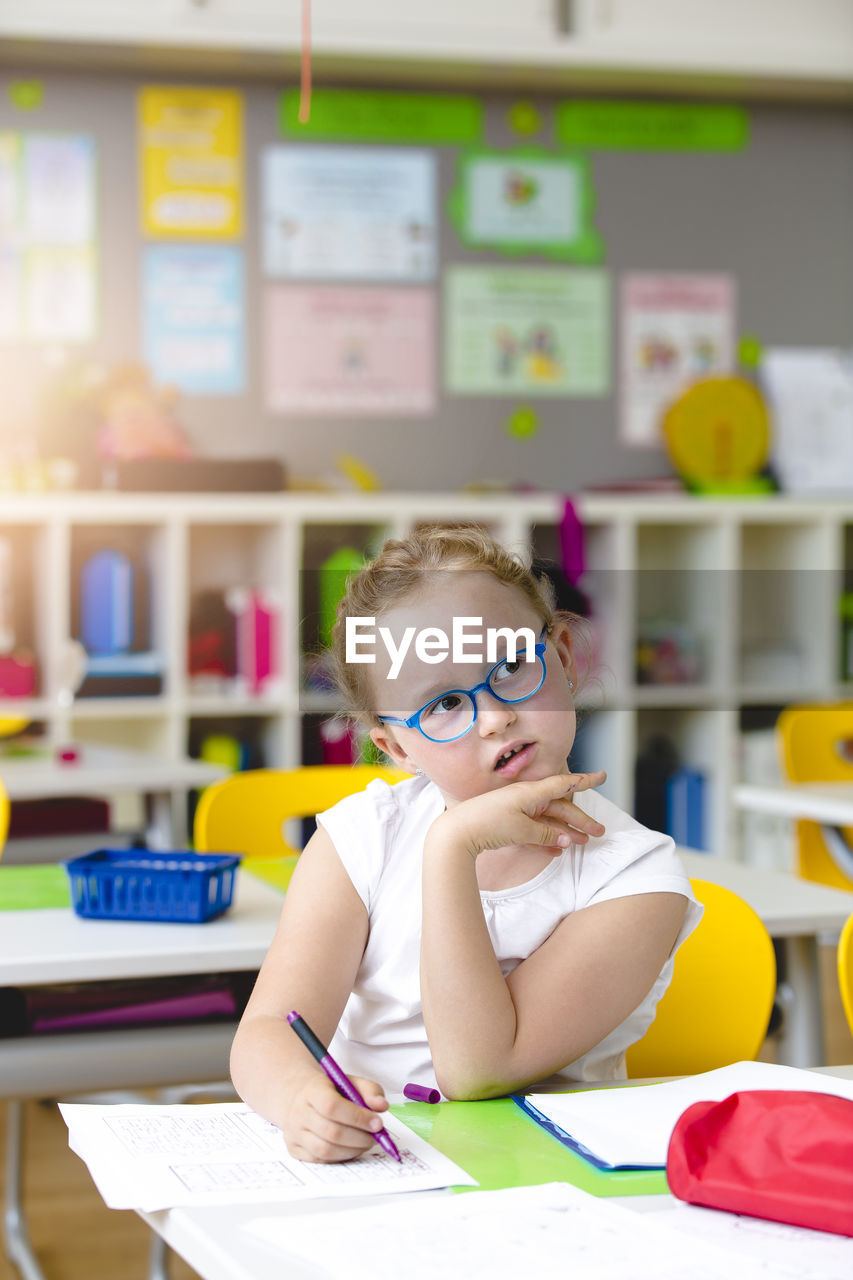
(452, 714)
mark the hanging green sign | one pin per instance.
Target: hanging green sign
(651, 126)
(525, 201)
(363, 115)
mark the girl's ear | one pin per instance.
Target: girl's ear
(383, 737)
(561, 638)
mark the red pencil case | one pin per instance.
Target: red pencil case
(780, 1154)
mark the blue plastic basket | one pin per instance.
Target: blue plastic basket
(136, 884)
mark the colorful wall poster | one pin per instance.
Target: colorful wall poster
(674, 328)
(48, 225)
(350, 351)
(526, 201)
(349, 213)
(58, 189)
(527, 331)
(194, 317)
(59, 297)
(381, 115)
(191, 162)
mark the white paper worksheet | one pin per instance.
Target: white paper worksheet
(157, 1157)
(793, 1251)
(552, 1232)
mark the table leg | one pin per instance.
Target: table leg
(166, 826)
(158, 1256)
(801, 1039)
(18, 1248)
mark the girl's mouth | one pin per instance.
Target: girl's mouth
(514, 759)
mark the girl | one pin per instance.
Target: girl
(489, 921)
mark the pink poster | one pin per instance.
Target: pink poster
(676, 328)
(350, 350)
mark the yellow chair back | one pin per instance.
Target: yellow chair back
(717, 1008)
(811, 739)
(246, 812)
(845, 970)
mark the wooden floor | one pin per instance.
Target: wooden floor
(77, 1238)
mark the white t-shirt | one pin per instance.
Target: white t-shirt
(379, 834)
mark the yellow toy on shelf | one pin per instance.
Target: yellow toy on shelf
(717, 433)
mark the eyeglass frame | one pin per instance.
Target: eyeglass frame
(412, 721)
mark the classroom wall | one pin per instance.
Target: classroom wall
(777, 216)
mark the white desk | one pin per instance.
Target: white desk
(795, 912)
(110, 771)
(830, 802)
(213, 1242)
(55, 945)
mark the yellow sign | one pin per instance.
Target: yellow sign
(717, 432)
(191, 162)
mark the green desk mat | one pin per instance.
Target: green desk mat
(500, 1146)
(274, 871)
(31, 888)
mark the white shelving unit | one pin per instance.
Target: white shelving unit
(754, 584)
(751, 47)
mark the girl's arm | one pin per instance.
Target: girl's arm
(489, 1035)
(311, 967)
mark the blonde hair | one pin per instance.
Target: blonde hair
(401, 569)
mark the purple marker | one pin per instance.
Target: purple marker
(338, 1078)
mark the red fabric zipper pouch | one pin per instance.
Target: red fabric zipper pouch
(780, 1154)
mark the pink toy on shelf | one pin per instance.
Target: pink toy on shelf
(258, 616)
(17, 675)
(336, 738)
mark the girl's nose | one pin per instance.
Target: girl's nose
(492, 714)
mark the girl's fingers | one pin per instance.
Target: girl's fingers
(574, 818)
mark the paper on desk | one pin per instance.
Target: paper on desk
(550, 1232)
(157, 1157)
(789, 1251)
(632, 1126)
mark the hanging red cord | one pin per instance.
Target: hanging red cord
(305, 65)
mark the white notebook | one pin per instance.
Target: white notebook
(631, 1127)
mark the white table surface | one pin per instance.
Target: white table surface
(107, 772)
(103, 771)
(830, 802)
(55, 945)
(212, 1240)
(788, 905)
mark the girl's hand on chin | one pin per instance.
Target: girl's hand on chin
(541, 813)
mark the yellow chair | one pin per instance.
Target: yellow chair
(845, 970)
(811, 740)
(717, 1008)
(247, 812)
